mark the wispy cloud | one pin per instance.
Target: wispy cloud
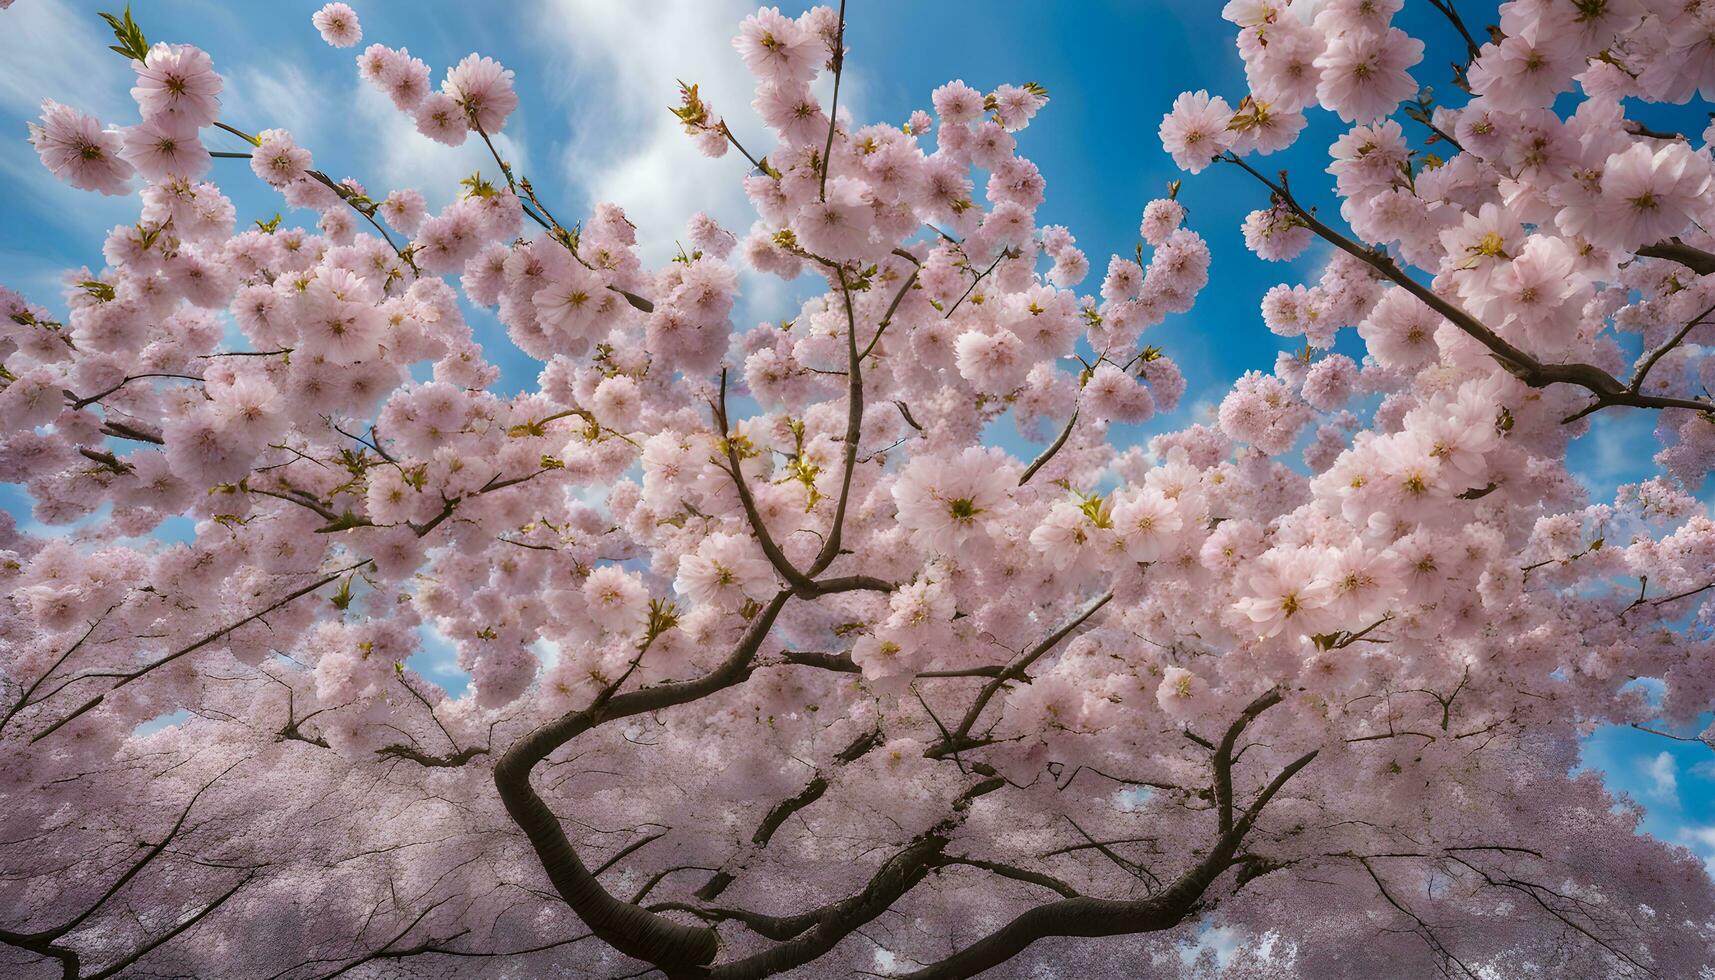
(279, 95)
(1663, 774)
(620, 65)
(51, 51)
(1619, 448)
(1701, 840)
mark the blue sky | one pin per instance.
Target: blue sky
(595, 79)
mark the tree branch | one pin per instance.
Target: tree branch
(1015, 670)
(1519, 363)
(626, 927)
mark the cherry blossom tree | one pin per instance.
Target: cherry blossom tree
(781, 661)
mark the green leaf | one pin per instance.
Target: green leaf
(132, 43)
(345, 522)
(342, 599)
(1095, 507)
(663, 616)
(98, 289)
(477, 187)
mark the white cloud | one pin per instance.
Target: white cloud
(34, 258)
(1223, 940)
(51, 51)
(1701, 840)
(1620, 448)
(1701, 837)
(1663, 773)
(353, 129)
(619, 66)
(279, 96)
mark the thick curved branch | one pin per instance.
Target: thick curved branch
(1662, 351)
(1674, 250)
(451, 760)
(1107, 917)
(1223, 763)
(813, 790)
(764, 539)
(1521, 364)
(820, 930)
(778, 814)
(626, 927)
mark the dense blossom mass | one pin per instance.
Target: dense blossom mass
(781, 662)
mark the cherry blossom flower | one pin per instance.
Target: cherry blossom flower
(1147, 523)
(77, 150)
(1161, 217)
(1647, 195)
(338, 25)
(1276, 234)
(278, 160)
(725, 571)
(177, 86)
(440, 117)
(1195, 132)
(957, 103)
(617, 600)
(164, 148)
(946, 504)
(568, 304)
(1365, 73)
(776, 49)
(1287, 591)
(483, 89)
(1182, 693)
(838, 225)
(792, 584)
